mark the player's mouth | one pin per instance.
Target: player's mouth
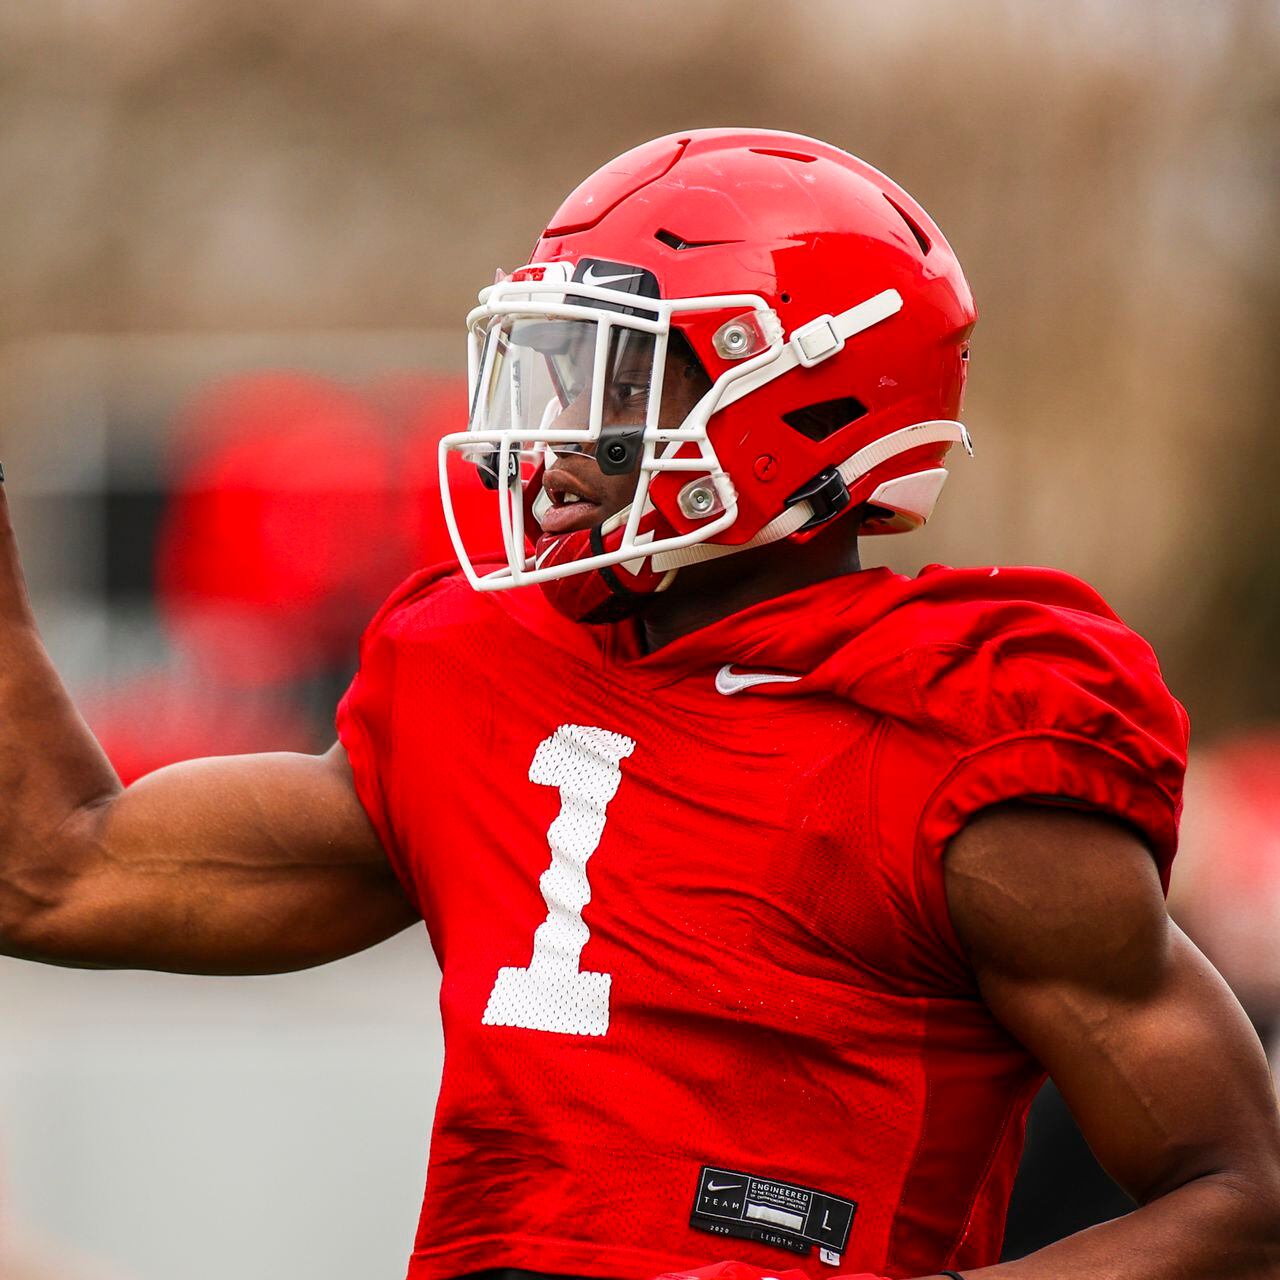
(573, 505)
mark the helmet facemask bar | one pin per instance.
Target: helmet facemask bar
(516, 419)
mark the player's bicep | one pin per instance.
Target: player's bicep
(1064, 919)
(229, 865)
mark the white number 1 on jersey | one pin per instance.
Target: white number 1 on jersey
(553, 993)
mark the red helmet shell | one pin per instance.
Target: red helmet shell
(814, 231)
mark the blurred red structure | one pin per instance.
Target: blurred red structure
(285, 528)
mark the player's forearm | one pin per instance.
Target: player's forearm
(51, 768)
(1221, 1226)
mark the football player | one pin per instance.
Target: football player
(766, 889)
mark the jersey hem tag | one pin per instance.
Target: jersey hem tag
(786, 1215)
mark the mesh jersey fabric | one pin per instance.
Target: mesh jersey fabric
(681, 929)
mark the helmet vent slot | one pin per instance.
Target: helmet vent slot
(921, 239)
(784, 155)
(673, 241)
(818, 421)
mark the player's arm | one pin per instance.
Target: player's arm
(1065, 923)
(233, 865)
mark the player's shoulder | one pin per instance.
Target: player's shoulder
(978, 606)
(1014, 614)
(1025, 683)
(981, 651)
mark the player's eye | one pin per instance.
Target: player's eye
(631, 393)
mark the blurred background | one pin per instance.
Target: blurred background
(237, 243)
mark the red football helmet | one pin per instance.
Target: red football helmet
(827, 310)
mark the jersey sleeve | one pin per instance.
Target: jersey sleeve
(1073, 714)
(366, 716)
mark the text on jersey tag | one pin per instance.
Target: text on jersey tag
(732, 1203)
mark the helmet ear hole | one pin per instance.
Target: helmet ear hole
(818, 421)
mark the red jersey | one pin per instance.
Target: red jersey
(699, 976)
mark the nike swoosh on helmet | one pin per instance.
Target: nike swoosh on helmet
(590, 277)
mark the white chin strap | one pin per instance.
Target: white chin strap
(915, 493)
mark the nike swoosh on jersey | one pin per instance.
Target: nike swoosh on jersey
(590, 277)
(724, 1186)
(728, 683)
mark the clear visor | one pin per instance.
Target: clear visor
(560, 381)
